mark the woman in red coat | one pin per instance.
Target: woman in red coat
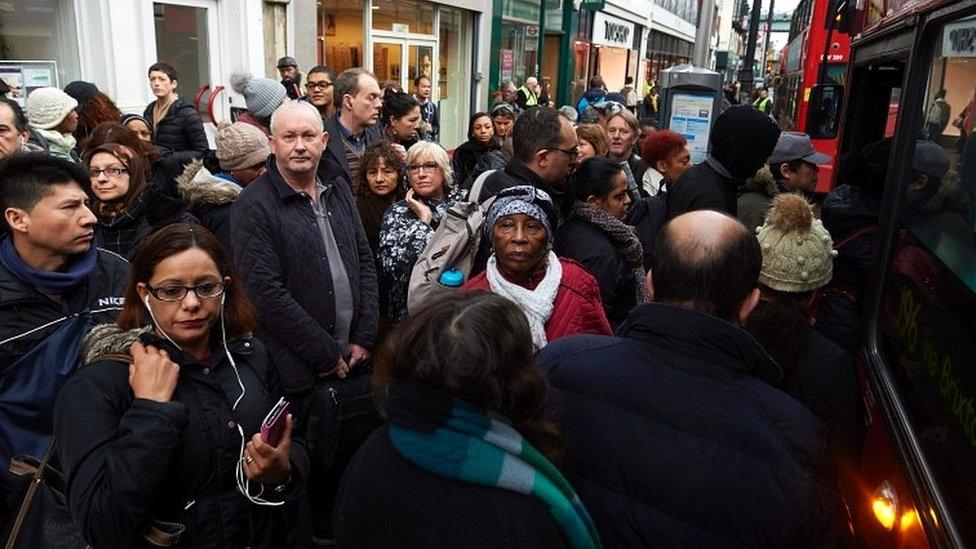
(558, 296)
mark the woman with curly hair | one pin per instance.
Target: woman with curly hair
(465, 459)
(94, 108)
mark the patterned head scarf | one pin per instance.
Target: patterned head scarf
(522, 199)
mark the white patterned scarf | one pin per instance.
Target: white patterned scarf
(536, 304)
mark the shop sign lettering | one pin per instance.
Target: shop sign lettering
(959, 39)
(612, 31)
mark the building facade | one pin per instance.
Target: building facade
(112, 42)
(732, 34)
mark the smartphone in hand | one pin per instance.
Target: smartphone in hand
(273, 425)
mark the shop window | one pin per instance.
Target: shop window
(453, 80)
(182, 41)
(38, 30)
(340, 34)
(405, 16)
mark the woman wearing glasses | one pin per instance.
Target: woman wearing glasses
(158, 432)
(127, 206)
(409, 223)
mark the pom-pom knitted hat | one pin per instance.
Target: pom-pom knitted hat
(798, 253)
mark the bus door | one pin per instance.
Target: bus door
(919, 349)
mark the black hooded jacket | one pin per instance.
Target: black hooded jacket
(741, 141)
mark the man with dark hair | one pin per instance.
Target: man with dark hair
(596, 92)
(676, 431)
(14, 131)
(174, 121)
(358, 99)
(291, 79)
(428, 109)
(546, 153)
(319, 85)
(794, 165)
(740, 142)
(54, 285)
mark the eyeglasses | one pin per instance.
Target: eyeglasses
(426, 166)
(318, 85)
(572, 153)
(204, 290)
(110, 172)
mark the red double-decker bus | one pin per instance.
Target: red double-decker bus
(815, 35)
(911, 87)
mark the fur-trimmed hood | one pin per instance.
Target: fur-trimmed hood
(109, 339)
(762, 182)
(199, 187)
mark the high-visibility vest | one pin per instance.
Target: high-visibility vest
(531, 99)
(763, 104)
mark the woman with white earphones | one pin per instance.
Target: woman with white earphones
(160, 432)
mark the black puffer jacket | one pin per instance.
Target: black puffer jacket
(677, 437)
(180, 131)
(130, 461)
(152, 210)
(851, 217)
(702, 187)
(647, 216)
(281, 259)
(583, 242)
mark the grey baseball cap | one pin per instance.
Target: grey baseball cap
(287, 61)
(796, 146)
(930, 159)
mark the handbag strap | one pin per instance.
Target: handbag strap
(36, 479)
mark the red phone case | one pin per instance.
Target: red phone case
(273, 425)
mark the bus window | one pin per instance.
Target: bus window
(928, 323)
(823, 119)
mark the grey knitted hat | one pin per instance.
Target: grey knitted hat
(262, 95)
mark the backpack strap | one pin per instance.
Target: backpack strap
(475, 193)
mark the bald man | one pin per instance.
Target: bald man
(676, 431)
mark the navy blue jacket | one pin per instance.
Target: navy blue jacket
(678, 439)
(281, 259)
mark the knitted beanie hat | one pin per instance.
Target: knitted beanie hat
(798, 254)
(241, 145)
(82, 91)
(741, 139)
(262, 95)
(47, 107)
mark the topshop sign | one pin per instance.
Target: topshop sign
(611, 31)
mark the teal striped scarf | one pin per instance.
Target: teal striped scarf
(452, 439)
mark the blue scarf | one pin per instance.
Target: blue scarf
(47, 282)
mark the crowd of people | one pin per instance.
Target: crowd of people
(625, 357)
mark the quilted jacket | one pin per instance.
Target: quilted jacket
(180, 132)
(577, 309)
(281, 259)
